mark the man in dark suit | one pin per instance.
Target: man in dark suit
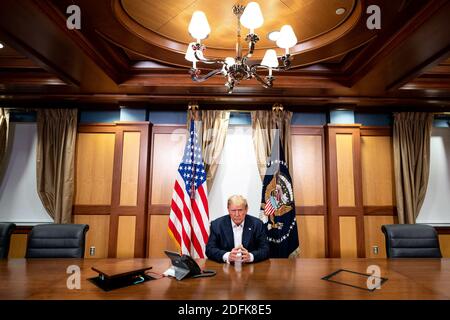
(237, 237)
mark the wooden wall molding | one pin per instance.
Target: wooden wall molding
(443, 230)
(375, 131)
(311, 210)
(380, 211)
(22, 229)
(81, 209)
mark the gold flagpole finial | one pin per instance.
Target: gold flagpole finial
(193, 111)
(278, 107)
(193, 106)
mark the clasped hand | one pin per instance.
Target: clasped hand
(239, 254)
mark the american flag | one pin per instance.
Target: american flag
(189, 217)
(269, 208)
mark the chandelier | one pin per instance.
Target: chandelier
(238, 68)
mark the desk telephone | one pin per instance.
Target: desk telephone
(185, 266)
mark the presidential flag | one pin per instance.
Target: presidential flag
(189, 217)
(278, 206)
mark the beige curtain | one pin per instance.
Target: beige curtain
(411, 142)
(214, 132)
(4, 133)
(55, 157)
(4, 129)
(264, 125)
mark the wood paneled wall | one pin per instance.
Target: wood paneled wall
(360, 189)
(111, 187)
(18, 245)
(94, 168)
(98, 234)
(378, 187)
(444, 241)
(308, 177)
(345, 204)
(342, 177)
(168, 144)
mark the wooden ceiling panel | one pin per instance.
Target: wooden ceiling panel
(11, 59)
(171, 18)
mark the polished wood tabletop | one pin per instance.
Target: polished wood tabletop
(269, 280)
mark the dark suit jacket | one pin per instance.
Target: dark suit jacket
(221, 240)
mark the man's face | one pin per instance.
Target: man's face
(237, 213)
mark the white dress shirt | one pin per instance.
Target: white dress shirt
(238, 230)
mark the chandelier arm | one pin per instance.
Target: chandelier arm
(251, 48)
(196, 72)
(254, 67)
(208, 61)
(266, 83)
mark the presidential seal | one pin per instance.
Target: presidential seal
(279, 199)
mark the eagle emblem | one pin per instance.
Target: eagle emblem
(279, 199)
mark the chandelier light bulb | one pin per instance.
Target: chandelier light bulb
(230, 61)
(199, 27)
(252, 17)
(274, 35)
(287, 38)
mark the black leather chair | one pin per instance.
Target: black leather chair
(411, 241)
(57, 241)
(6, 229)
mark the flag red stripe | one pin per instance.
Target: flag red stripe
(201, 192)
(175, 233)
(198, 216)
(178, 214)
(186, 236)
(187, 214)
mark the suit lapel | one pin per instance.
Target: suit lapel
(229, 233)
(246, 233)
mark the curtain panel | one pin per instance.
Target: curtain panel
(55, 161)
(213, 132)
(411, 143)
(264, 125)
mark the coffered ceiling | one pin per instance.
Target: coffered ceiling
(131, 52)
(170, 18)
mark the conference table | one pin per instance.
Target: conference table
(287, 279)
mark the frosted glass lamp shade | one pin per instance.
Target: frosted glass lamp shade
(199, 26)
(287, 38)
(270, 59)
(252, 17)
(189, 56)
